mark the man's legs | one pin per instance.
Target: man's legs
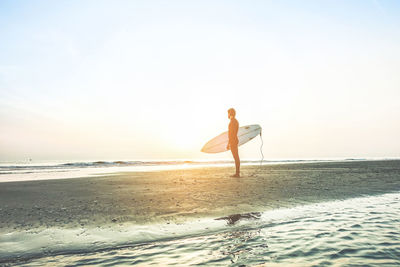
(235, 153)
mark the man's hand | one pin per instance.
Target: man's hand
(228, 146)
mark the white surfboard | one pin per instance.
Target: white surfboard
(219, 143)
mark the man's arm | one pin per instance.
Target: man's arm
(229, 136)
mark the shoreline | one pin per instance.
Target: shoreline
(73, 170)
(174, 196)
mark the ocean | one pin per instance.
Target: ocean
(47, 170)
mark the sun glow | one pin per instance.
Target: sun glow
(158, 80)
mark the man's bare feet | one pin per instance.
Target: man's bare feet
(236, 175)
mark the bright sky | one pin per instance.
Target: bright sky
(153, 79)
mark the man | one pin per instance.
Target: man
(233, 139)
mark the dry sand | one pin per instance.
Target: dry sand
(174, 196)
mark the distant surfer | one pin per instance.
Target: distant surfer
(233, 139)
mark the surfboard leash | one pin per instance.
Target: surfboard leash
(262, 143)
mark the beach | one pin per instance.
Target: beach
(177, 197)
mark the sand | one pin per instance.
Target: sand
(179, 195)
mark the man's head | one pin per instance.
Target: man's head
(231, 113)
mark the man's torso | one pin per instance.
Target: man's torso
(233, 130)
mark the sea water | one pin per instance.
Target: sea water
(359, 231)
(42, 170)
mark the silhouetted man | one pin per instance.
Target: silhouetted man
(233, 139)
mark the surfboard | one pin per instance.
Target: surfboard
(219, 143)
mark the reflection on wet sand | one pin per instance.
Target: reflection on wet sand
(232, 219)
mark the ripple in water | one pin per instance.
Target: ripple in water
(362, 231)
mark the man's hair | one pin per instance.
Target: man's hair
(232, 112)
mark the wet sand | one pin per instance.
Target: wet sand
(174, 196)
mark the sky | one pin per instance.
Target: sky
(129, 80)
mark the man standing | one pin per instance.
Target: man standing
(233, 139)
